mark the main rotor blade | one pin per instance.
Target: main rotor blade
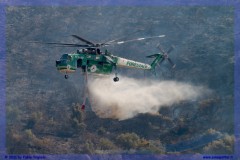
(68, 44)
(60, 44)
(83, 40)
(112, 41)
(137, 39)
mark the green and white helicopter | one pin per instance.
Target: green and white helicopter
(93, 61)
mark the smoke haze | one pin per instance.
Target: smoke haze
(129, 97)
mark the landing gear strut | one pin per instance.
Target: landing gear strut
(115, 79)
(66, 76)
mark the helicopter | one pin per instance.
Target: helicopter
(92, 60)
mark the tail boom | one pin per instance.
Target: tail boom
(158, 58)
(122, 62)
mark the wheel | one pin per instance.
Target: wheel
(66, 76)
(115, 79)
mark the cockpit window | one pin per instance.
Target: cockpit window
(64, 57)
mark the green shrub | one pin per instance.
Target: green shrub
(106, 144)
(222, 146)
(129, 140)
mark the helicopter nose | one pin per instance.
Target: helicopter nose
(57, 63)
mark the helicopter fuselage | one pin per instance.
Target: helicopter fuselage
(95, 63)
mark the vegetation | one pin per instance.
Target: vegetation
(222, 146)
(43, 109)
(130, 141)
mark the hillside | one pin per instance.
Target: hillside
(43, 114)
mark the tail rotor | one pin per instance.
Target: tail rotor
(165, 55)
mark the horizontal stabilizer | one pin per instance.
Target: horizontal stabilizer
(152, 56)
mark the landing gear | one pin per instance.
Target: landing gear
(66, 76)
(115, 79)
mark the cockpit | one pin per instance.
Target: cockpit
(65, 58)
(66, 64)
